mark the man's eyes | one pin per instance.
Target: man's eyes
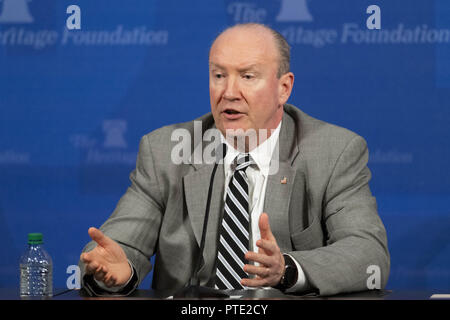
(246, 76)
(218, 75)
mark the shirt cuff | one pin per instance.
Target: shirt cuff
(117, 288)
(302, 283)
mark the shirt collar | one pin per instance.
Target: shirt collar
(262, 154)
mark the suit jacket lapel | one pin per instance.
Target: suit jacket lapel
(196, 185)
(281, 180)
(276, 203)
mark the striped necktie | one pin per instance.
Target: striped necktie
(234, 232)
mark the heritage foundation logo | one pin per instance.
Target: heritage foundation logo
(17, 16)
(114, 133)
(294, 11)
(288, 11)
(295, 20)
(15, 11)
(110, 149)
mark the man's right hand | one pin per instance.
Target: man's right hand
(107, 262)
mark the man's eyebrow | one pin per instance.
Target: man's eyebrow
(215, 65)
(242, 69)
(248, 68)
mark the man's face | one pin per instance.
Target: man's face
(245, 92)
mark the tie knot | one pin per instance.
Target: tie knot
(243, 161)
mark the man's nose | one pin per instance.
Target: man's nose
(232, 91)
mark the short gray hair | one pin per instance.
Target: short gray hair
(284, 50)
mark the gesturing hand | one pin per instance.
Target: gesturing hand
(107, 261)
(269, 256)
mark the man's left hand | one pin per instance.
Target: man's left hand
(271, 262)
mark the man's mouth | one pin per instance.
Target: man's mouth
(232, 114)
(231, 111)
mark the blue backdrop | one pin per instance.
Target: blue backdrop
(74, 104)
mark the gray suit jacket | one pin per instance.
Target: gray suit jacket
(324, 216)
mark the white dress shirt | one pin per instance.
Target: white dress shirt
(257, 176)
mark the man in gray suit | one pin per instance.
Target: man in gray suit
(312, 222)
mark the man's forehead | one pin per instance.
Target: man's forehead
(243, 48)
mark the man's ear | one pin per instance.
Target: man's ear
(286, 82)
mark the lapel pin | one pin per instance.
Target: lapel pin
(284, 180)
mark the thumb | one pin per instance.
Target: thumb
(264, 227)
(99, 237)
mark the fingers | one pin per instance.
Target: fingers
(91, 260)
(269, 247)
(91, 267)
(266, 275)
(101, 274)
(264, 227)
(260, 258)
(260, 271)
(255, 282)
(85, 257)
(99, 237)
(111, 274)
(109, 281)
(269, 258)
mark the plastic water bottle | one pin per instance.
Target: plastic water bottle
(36, 269)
